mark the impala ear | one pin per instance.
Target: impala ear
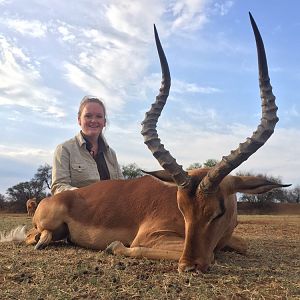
(254, 185)
(162, 175)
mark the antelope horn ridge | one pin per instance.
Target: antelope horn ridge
(264, 130)
(149, 131)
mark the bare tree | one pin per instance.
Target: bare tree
(195, 165)
(131, 171)
(43, 175)
(2, 202)
(211, 162)
(293, 195)
(18, 194)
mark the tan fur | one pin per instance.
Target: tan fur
(31, 205)
(154, 219)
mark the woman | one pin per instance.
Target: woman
(86, 158)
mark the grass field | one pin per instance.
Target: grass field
(271, 270)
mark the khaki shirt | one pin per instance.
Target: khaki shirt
(74, 167)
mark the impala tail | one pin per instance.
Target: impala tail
(17, 235)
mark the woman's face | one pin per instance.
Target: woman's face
(92, 119)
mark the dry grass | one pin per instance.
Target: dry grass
(271, 270)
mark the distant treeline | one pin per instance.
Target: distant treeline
(39, 187)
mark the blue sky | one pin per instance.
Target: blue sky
(52, 53)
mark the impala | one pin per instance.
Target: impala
(168, 214)
(31, 205)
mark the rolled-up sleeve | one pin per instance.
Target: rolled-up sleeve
(61, 173)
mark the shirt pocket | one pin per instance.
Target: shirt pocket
(78, 167)
(78, 173)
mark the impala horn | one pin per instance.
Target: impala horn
(149, 131)
(264, 130)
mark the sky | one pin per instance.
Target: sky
(52, 53)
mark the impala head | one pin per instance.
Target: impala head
(206, 197)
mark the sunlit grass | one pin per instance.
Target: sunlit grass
(269, 271)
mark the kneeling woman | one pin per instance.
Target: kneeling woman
(87, 157)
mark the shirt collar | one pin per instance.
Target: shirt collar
(83, 141)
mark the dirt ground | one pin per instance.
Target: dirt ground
(271, 269)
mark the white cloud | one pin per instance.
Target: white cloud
(294, 111)
(178, 86)
(223, 7)
(25, 154)
(133, 17)
(189, 14)
(182, 87)
(20, 82)
(4, 1)
(105, 64)
(107, 48)
(65, 32)
(33, 28)
(189, 144)
(208, 116)
(94, 86)
(278, 156)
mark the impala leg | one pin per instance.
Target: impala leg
(236, 244)
(45, 239)
(32, 236)
(118, 248)
(160, 244)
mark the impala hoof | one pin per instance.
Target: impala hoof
(40, 246)
(114, 248)
(184, 268)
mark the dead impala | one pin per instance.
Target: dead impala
(172, 214)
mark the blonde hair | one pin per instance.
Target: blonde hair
(88, 99)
